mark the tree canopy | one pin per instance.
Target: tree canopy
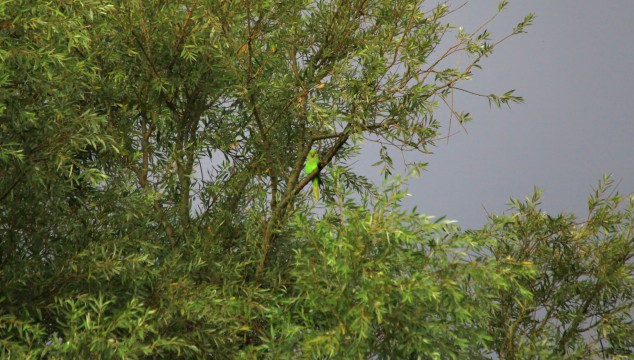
(154, 204)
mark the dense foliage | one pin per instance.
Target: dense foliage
(153, 202)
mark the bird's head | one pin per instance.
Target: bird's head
(312, 153)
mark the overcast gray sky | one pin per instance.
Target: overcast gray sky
(575, 69)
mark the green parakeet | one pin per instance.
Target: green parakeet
(312, 161)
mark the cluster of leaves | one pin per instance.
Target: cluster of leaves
(580, 302)
(151, 201)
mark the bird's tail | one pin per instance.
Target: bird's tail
(316, 188)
